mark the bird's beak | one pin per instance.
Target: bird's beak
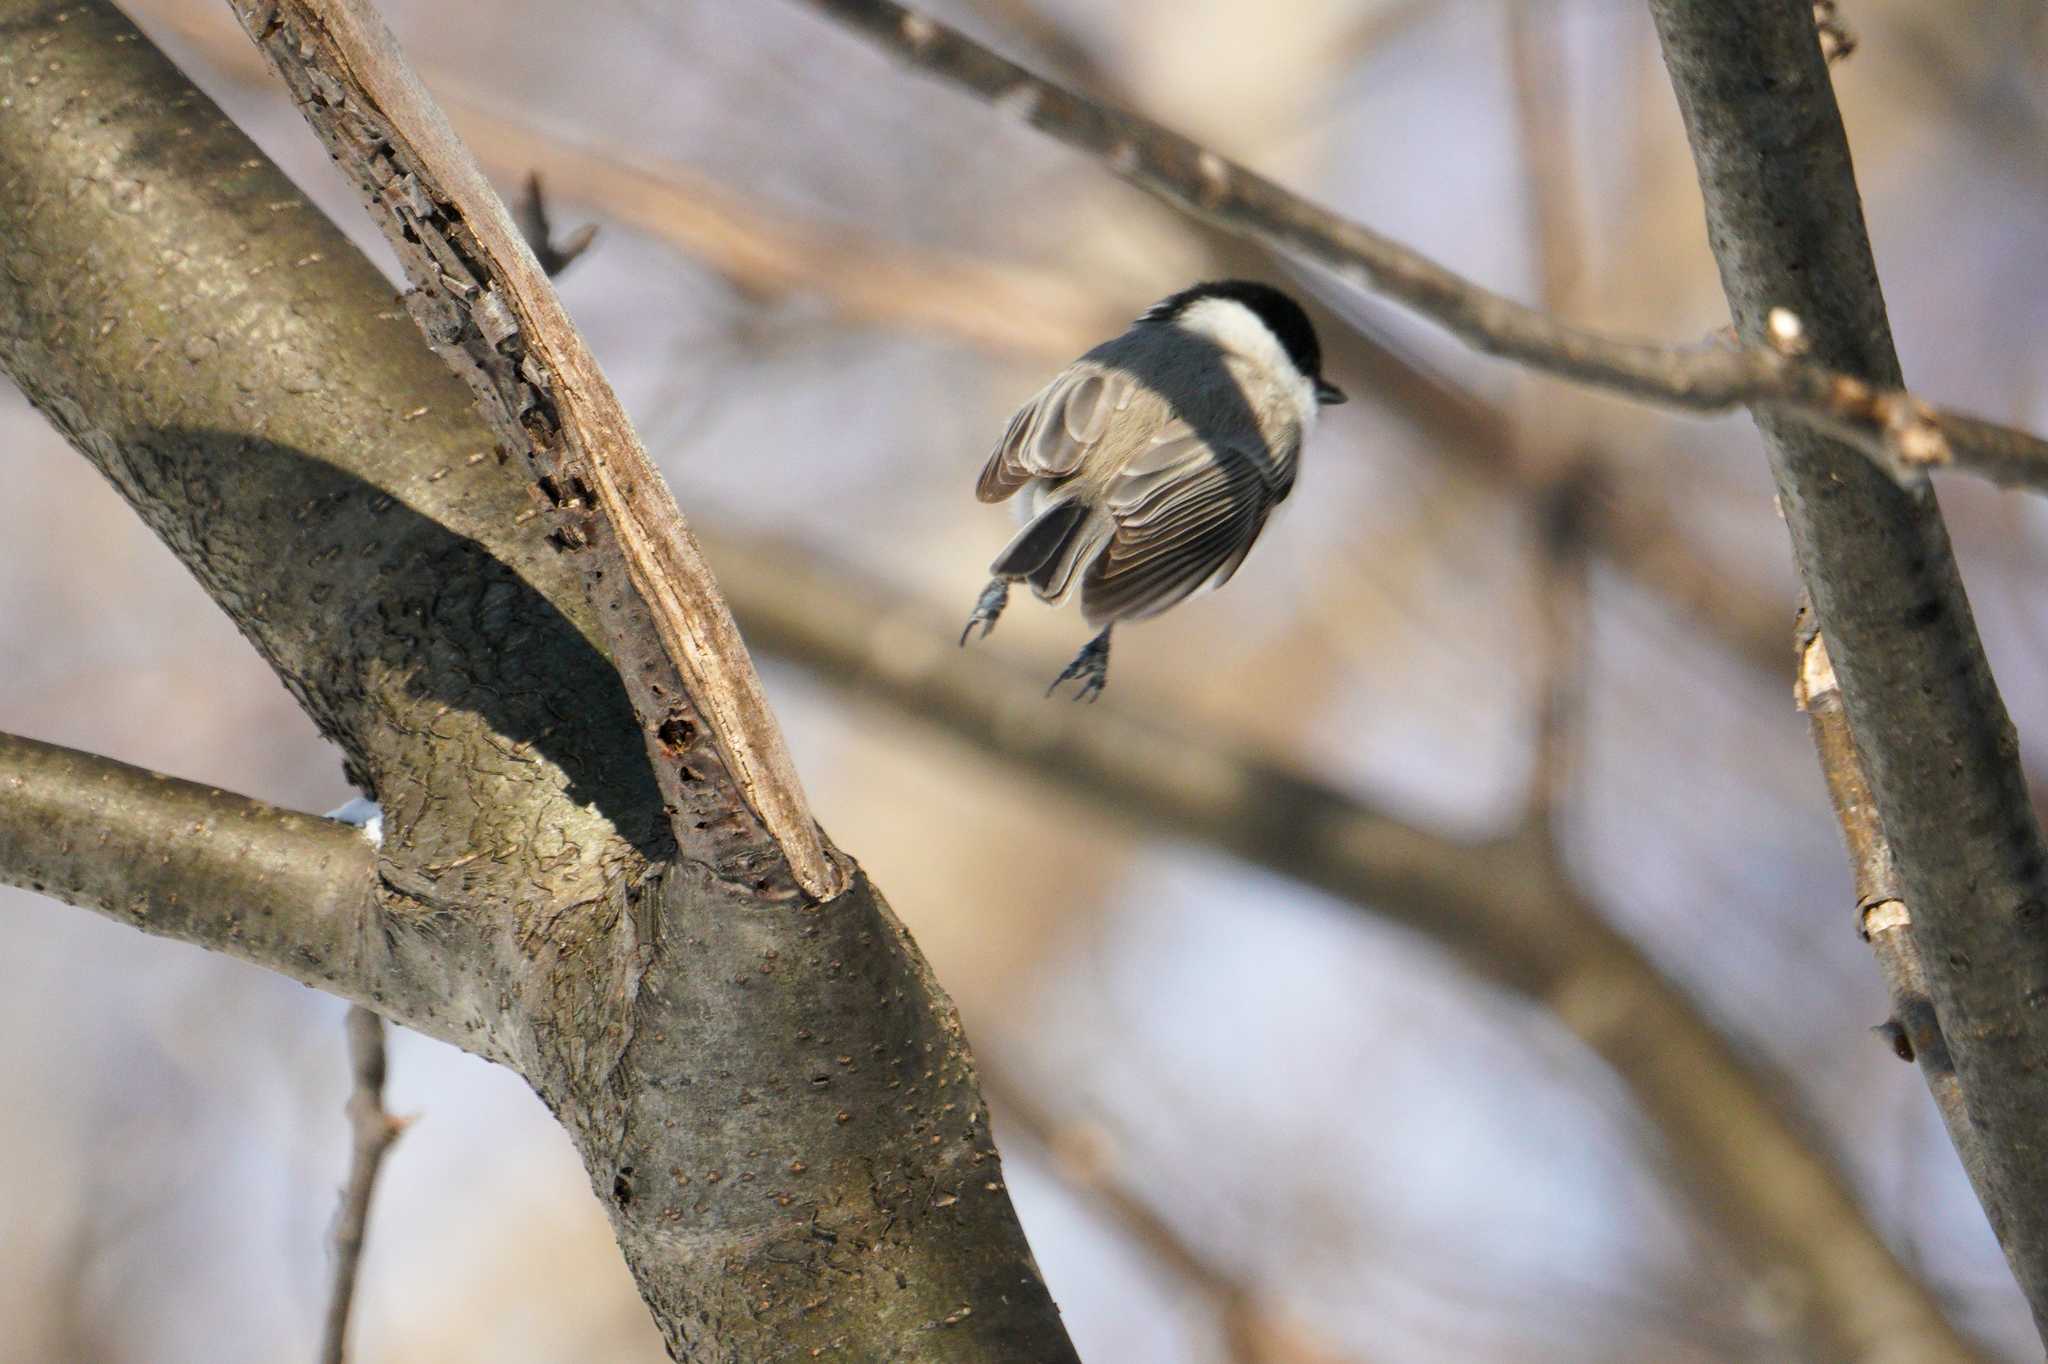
(1328, 394)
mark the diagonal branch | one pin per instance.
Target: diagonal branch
(1897, 431)
(1253, 1330)
(1929, 726)
(489, 310)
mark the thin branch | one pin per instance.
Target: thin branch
(1930, 729)
(1883, 916)
(1500, 907)
(371, 1132)
(1558, 475)
(535, 226)
(1560, 506)
(1901, 434)
(490, 312)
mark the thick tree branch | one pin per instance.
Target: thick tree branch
(1900, 433)
(238, 371)
(371, 1132)
(1501, 908)
(1929, 726)
(487, 307)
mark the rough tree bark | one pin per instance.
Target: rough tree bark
(771, 1095)
(1933, 736)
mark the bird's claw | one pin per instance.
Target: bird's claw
(1090, 666)
(987, 609)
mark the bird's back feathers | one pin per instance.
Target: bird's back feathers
(1146, 496)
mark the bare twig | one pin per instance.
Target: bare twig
(1931, 730)
(371, 1132)
(1903, 435)
(553, 257)
(1558, 474)
(484, 302)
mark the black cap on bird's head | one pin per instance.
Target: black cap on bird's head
(1274, 307)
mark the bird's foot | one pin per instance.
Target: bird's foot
(1090, 666)
(993, 599)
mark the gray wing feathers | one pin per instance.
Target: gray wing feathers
(1053, 433)
(1179, 528)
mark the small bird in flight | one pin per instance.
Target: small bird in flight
(1150, 464)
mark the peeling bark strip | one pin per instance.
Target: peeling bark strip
(1882, 915)
(488, 309)
(1897, 431)
(771, 1096)
(1930, 729)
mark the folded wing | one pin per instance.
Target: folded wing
(1185, 513)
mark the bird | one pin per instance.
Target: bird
(1146, 469)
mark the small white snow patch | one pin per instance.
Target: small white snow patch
(366, 815)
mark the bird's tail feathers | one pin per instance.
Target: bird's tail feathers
(1050, 551)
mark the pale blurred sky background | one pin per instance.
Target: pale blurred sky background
(1404, 1162)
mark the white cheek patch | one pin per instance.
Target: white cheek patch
(1238, 331)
